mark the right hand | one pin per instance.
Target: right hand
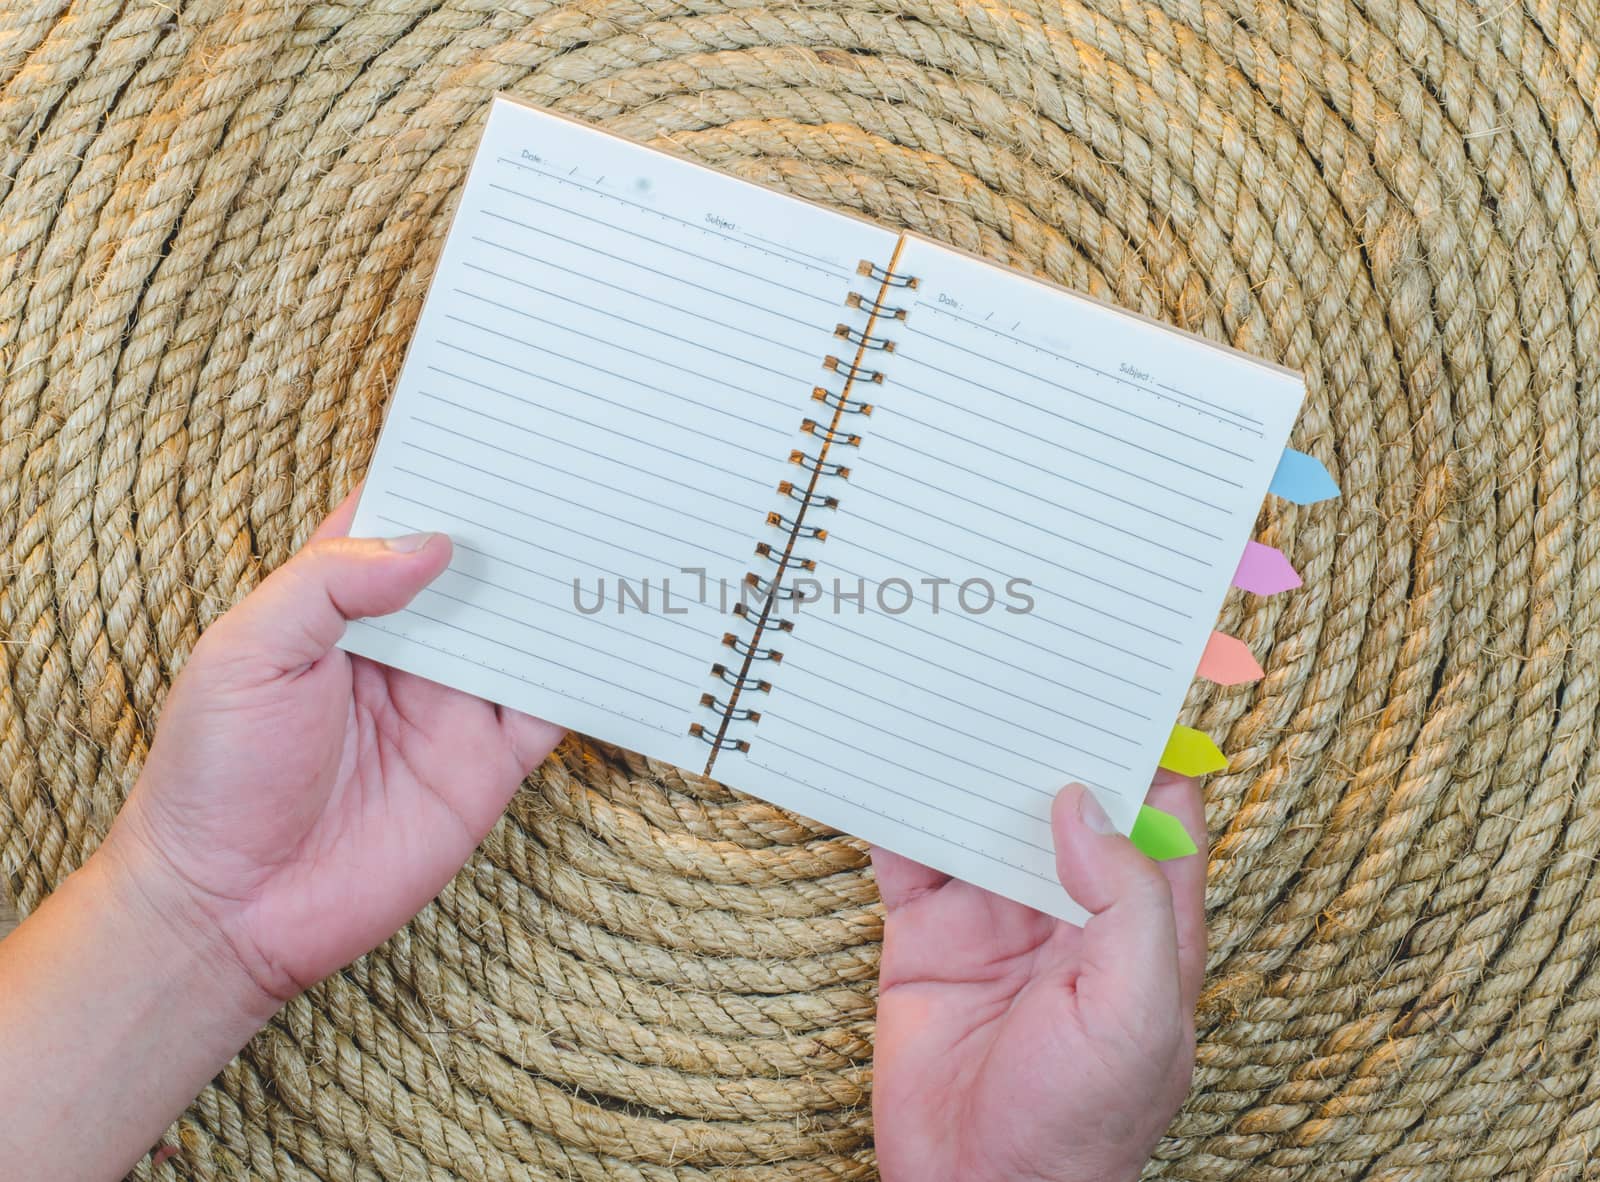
(1013, 1046)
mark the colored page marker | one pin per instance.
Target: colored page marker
(1228, 661)
(1161, 836)
(1192, 753)
(1264, 571)
(1302, 479)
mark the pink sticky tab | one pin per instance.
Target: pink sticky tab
(1264, 571)
(1228, 661)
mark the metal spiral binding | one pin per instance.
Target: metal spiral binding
(798, 530)
(771, 587)
(764, 549)
(853, 371)
(839, 402)
(856, 337)
(886, 277)
(812, 427)
(792, 527)
(856, 300)
(817, 465)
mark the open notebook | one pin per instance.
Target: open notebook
(880, 532)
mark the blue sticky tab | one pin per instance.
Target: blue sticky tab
(1302, 479)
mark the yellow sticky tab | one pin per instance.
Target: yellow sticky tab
(1192, 753)
(1161, 836)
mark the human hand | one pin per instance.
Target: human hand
(1012, 1046)
(299, 803)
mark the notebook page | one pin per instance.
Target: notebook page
(1042, 518)
(604, 385)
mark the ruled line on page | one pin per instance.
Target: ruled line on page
(986, 742)
(1207, 406)
(1148, 571)
(591, 617)
(1079, 604)
(817, 264)
(929, 544)
(1008, 720)
(546, 465)
(1077, 394)
(649, 358)
(433, 592)
(635, 264)
(712, 408)
(792, 250)
(589, 395)
(881, 686)
(1052, 683)
(859, 760)
(973, 500)
(799, 769)
(810, 757)
(568, 610)
(923, 454)
(567, 444)
(613, 317)
(673, 618)
(1156, 663)
(1150, 450)
(907, 620)
(919, 391)
(745, 331)
(697, 256)
(509, 508)
(410, 637)
(539, 658)
(611, 543)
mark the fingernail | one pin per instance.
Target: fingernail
(409, 543)
(1094, 817)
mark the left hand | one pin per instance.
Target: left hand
(302, 804)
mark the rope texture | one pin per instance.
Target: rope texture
(217, 222)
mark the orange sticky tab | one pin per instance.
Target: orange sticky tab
(1228, 661)
(1192, 753)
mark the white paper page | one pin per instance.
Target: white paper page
(1022, 433)
(605, 382)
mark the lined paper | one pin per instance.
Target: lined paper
(606, 387)
(1023, 433)
(605, 383)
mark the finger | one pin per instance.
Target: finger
(1180, 796)
(300, 611)
(901, 880)
(532, 739)
(1129, 960)
(337, 523)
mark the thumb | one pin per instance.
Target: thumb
(300, 610)
(1130, 945)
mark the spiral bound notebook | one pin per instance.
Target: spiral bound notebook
(854, 522)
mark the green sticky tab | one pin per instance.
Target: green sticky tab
(1192, 753)
(1161, 836)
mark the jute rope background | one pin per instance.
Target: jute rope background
(217, 221)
